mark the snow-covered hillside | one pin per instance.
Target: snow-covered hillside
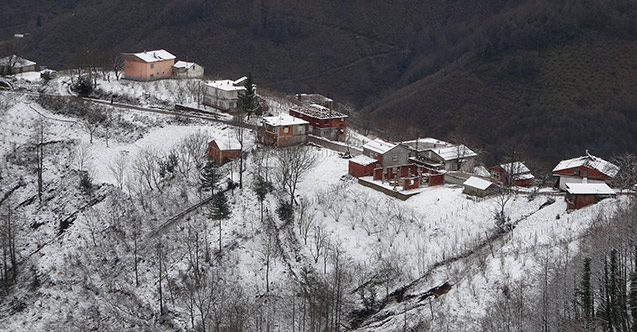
(96, 259)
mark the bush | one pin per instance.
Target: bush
(83, 86)
(86, 183)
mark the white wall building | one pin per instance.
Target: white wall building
(223, 94)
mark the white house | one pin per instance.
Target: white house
(183, 69)
(223, 94)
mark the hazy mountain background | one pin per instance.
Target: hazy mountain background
(548, 78)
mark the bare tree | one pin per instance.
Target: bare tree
(118, 167)
(82, 157)
(92, 119)
(626, 178)
(40, 154)
(319, 236)
(292, 163)
(9, 270)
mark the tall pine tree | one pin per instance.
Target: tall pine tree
(220, 211)
(247, 99)
(209, 177)
(586, 294)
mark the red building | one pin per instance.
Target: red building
(585, 169)
(579, 195)
(362, 166)
(283, 130)
(222, 150)
(516, 174)
(323, 121)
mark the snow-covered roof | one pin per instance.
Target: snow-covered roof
(478, 183)
(319, 112)
(227, 85)
(515, 168)
(154, 56)
(363, 160)
(184, 64)
(481, 171)
(283, 120)
(426, 143)
(591, 162)
(589, 189)
(379, 146)
(524, 176)
(227, 143)
(454, 152)
(15, 61)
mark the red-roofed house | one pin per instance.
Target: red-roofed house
(585, 169)
(222, 150)
(148, 66)
(515, 173)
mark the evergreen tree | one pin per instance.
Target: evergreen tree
(262, 187)
(247, 99)
(586, 294)
(209, 177)
(220, 211)
(220, 207)
(633, 300)
(285, 211)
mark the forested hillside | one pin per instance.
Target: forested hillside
(546, 78)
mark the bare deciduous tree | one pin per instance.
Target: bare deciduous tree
(292, 163)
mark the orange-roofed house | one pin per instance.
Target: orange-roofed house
(148, 65)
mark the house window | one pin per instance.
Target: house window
(152, 65)
(286, 130)
(576, 171)
(394, 158)
(585, 173)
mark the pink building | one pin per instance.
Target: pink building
(148, 65)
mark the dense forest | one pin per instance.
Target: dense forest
(547, 78)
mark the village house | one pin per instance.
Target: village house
(579, 195)
(441, 155)
(318, 111)
(14, 64)
(148, 65)
(388, 162)
(476, 186)
(224, 149)
(515, 173)
(283, 130)
(223, 94)
(324, 122)
(585, 169)
(183, 69)
(387, 153)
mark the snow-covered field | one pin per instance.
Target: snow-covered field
(82, 277)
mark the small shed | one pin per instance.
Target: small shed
(362, 166)
(476, 186)
(222, 150)
(579, 195)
